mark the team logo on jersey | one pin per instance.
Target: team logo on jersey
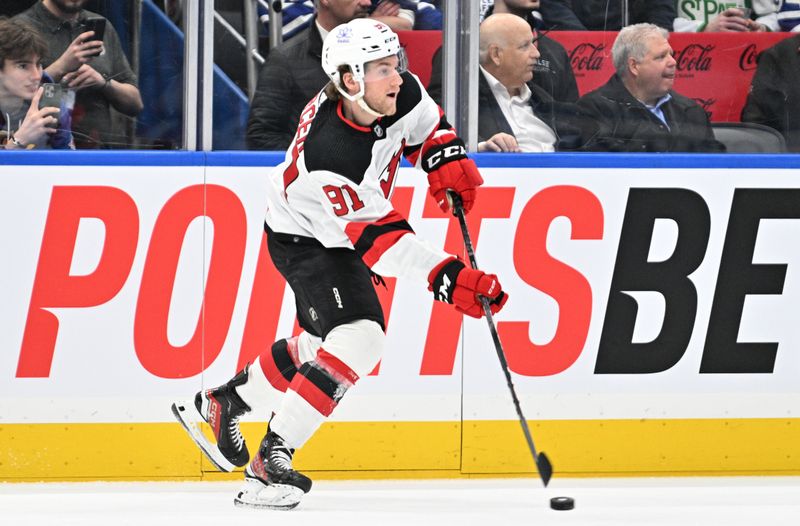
(313, 314)
(377, 129)
(387, 175)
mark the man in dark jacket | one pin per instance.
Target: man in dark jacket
(514, 114)
(774, 98)
(552, 72)
(605, 15)
(636, 110)
(293, 74)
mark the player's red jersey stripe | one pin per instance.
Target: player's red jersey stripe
(355, 230)
(381, 245)
(372, 239)
(306, 117)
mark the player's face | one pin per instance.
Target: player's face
(655, 72)
(21, 77)
(519, 56)
(346, 10)
(382, 83)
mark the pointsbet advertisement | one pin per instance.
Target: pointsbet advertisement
(638, 296)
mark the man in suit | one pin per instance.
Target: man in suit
(515, 114)
(552, 71)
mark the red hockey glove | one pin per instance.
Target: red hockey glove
(453, 282)
(445, 160)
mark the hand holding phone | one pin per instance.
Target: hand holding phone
(52, 95)
(98, 26)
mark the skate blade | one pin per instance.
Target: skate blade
(188, 416)
(257, 495)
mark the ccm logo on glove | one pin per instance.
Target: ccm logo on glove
(453, 282)
(445, 154)
(445, 159)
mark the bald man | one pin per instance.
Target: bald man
(553, 71)
(516, 115)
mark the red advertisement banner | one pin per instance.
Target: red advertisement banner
(714, 69)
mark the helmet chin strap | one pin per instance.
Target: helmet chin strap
(364, 106)
(358, 98)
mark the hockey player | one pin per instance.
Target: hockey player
(330, 225)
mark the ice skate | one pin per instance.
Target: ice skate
(221, 408)
(270, 481)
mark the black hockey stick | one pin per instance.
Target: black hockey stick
(542, 462)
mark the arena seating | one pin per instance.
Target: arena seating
(714, 69)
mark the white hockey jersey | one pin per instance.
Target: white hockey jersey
(337, 179)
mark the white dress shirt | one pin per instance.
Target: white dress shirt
(532, 133)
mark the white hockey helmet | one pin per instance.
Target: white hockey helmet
(354, 44)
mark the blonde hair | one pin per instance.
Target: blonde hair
(331, 89)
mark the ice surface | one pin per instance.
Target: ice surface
(760, 501)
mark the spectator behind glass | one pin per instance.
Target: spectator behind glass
(774, 98)
(637, 110)
(296, 15)
(24, 125)
(293, 74)
(514, 114)
(429, 15)
(102, 81)
(726, 15)
(605, 15)
(399, 15)
(552, 72)
(789, 15)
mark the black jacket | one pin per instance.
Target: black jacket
(626, 125)
(291, 76)
(605, 15)
(564, 118)
(552, 72)
(774, 98)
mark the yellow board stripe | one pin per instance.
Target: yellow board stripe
(357, 450)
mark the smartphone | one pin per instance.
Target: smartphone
(52, 95)
(98, 25)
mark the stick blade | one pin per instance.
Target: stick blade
(544, 467)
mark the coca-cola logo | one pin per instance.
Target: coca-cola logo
(587, 57)
(694, 57)
(749, 58)
(706, 104)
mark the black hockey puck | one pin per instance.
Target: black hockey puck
(562, 503)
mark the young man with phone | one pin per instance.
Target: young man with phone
(31, 113)
(85, 55)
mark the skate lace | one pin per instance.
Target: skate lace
(235, 432)
(281, 457)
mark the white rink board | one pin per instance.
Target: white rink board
(97, 374)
